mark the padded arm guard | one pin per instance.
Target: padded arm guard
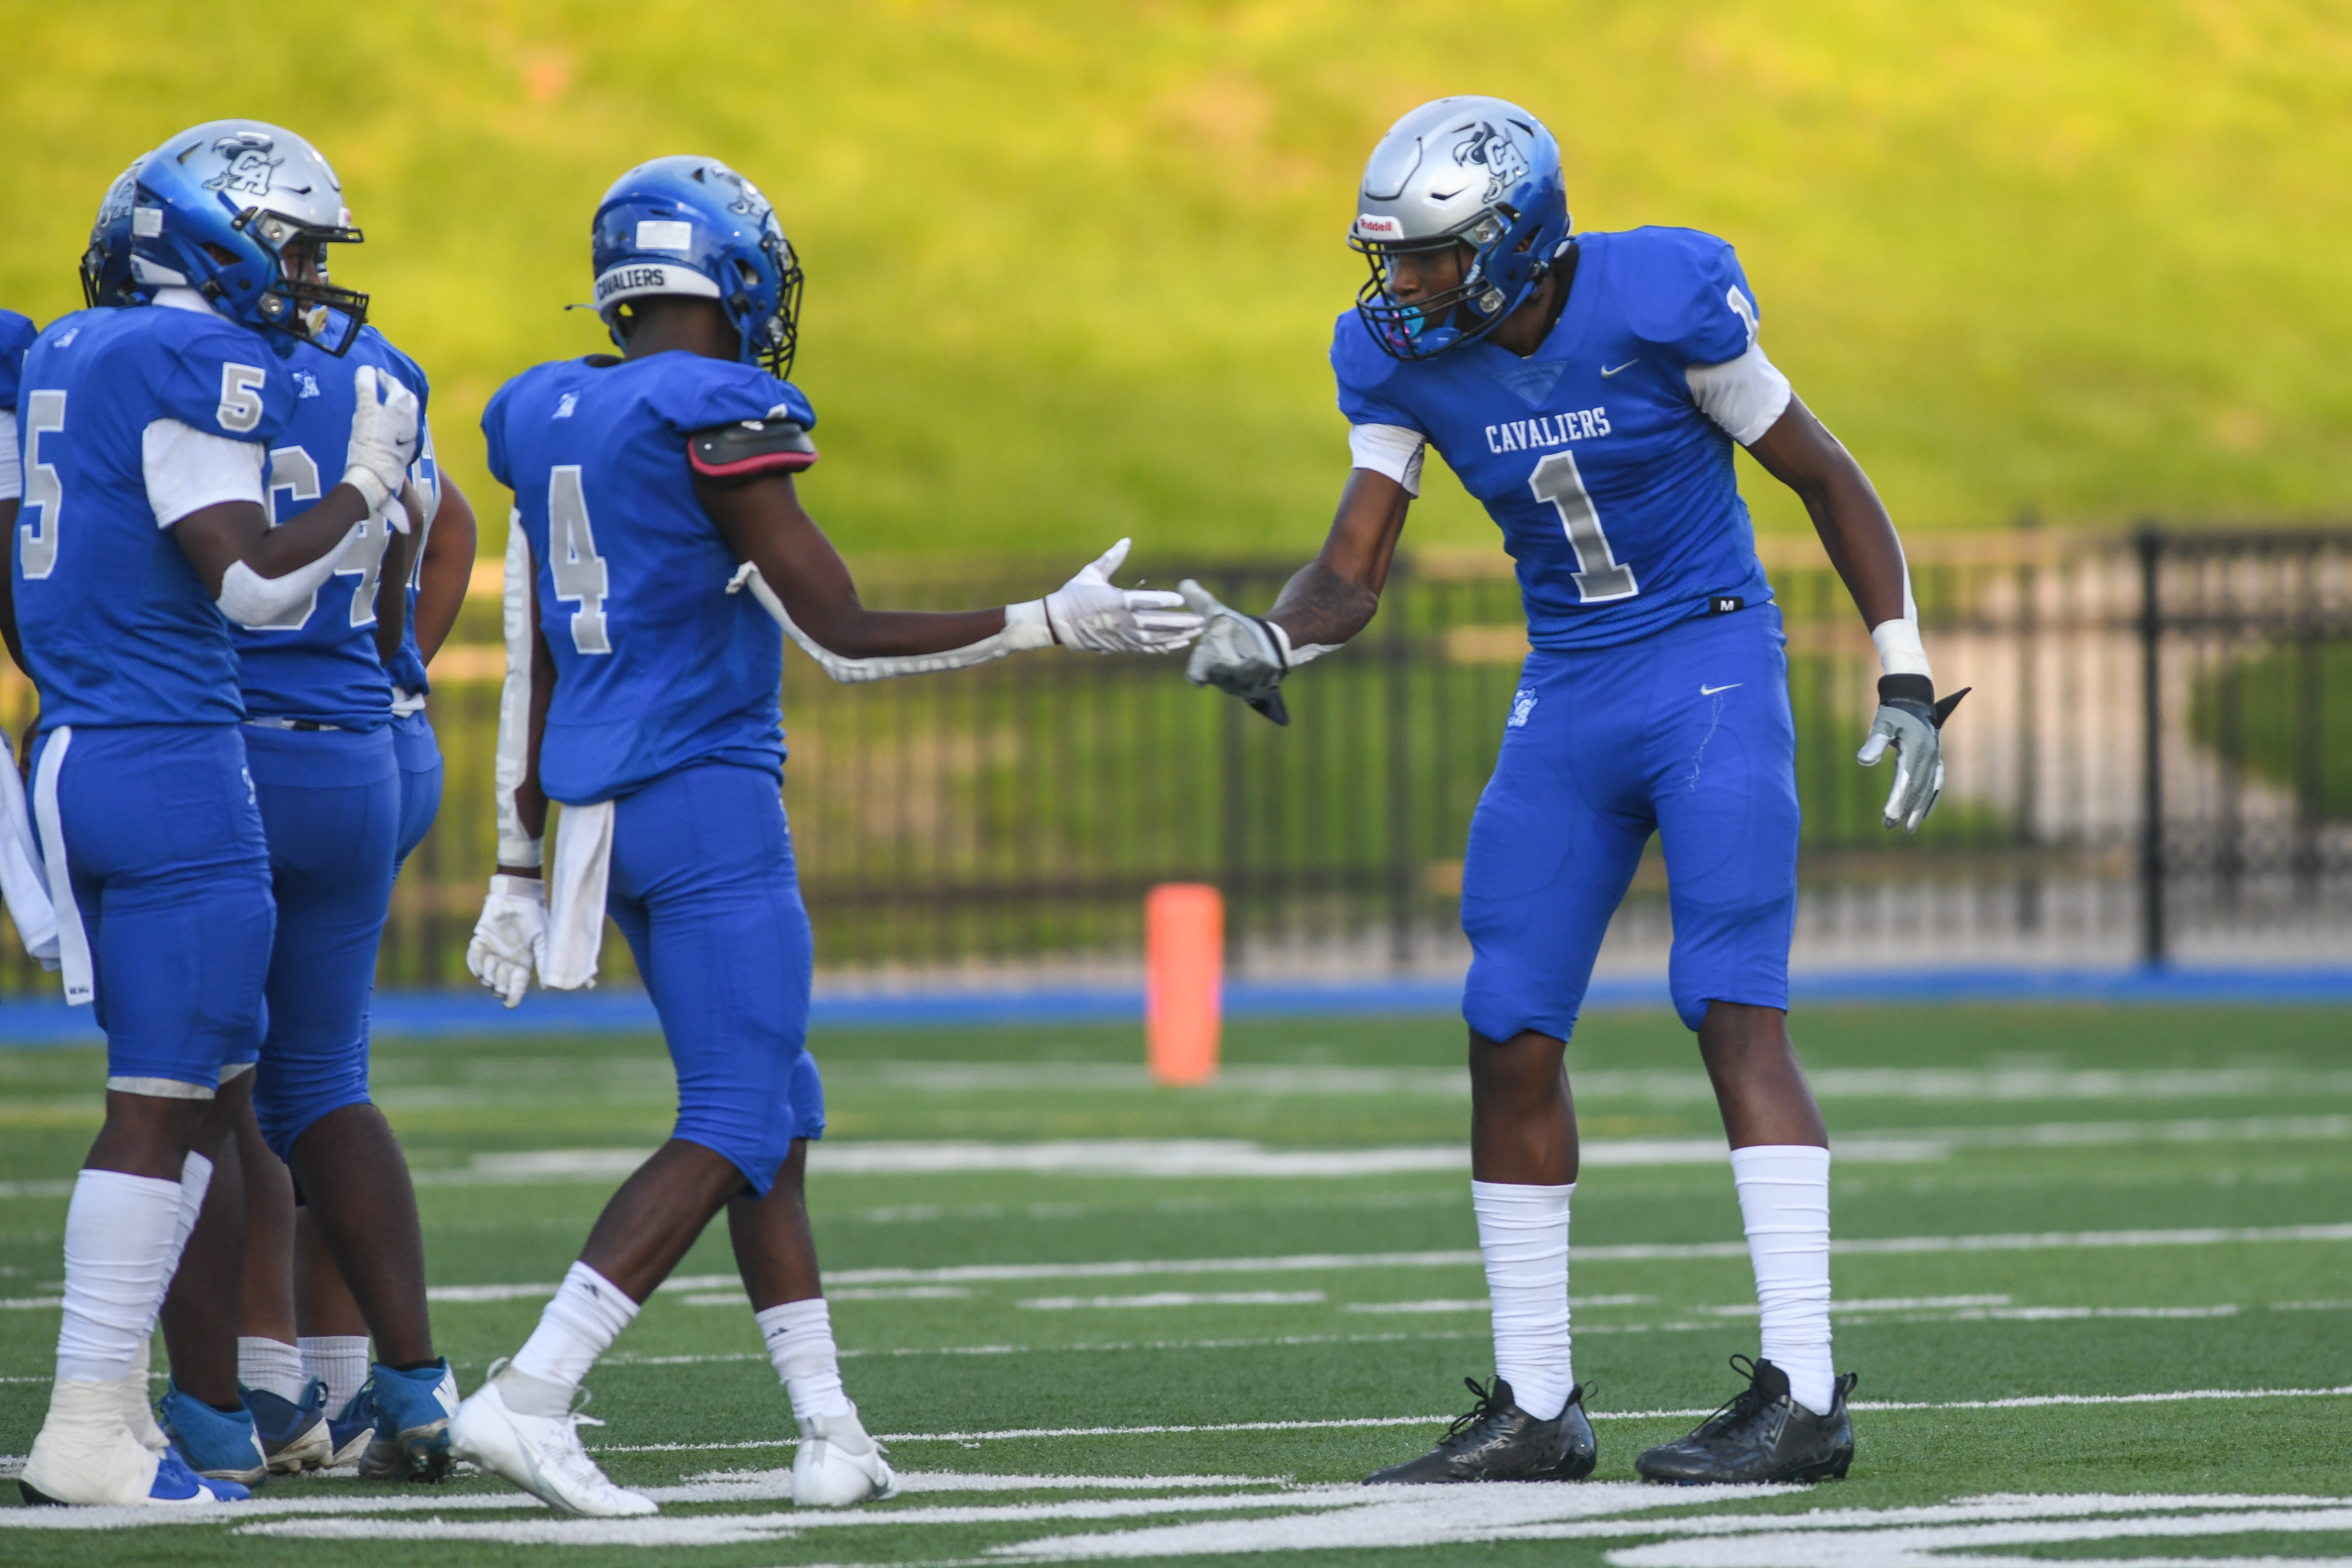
(516, 847)
(751, 448)
(1024, 627)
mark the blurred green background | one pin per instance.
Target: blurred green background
(1074, 267)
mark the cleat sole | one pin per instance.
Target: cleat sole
(36, 1498)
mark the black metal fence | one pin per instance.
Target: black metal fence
(2156, 764)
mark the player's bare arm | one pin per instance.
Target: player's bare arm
(8, 590)
(392, 579)
(449, 568)
(763, 523)
(1799, 452)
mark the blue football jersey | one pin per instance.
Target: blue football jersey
(1615, 494)
(318, 660)
(116, 626)
(657, 665)
(16, 335)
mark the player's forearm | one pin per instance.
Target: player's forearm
(449, 569)
(306, 537)
(9, 588)
(392, 595)
(860, 633)
(1319, 606)
(1799, 452)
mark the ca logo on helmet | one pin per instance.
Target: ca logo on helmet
(250, 167)
(1488, 148)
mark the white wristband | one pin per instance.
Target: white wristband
(519, 852)
(1899, 650)
(1026, 626)
(372, 489)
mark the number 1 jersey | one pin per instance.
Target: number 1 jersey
(1613, 489)
(657, 665)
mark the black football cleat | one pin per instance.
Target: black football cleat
(1761, 1435)
(1498, 1441)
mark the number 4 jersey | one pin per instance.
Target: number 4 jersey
(657, 665)
(129, 420)
(1605, 455)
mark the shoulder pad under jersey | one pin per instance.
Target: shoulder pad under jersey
(750, 447)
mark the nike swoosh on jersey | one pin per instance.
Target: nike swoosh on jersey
(1711, 691)
(1606, 372)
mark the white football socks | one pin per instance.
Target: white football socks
(341, 1360)
(272, 1366)
(801, 1349)
(195, 1180)
(120, 1232)
(1784, 1200)
(1523, 1232)
(587, 1315)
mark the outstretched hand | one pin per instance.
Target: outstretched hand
(1090, 612)
(1240, 655)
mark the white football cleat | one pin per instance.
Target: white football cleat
(837, 1464)
(86, 1455)
(540, 1454)
(138, 1400)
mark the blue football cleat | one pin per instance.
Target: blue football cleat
(349, 1434)
(412, 1427)
(175, 1482)
(294, 1437)
(220, 1445)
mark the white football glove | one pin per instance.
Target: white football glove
(1911, 720)
(383, 437)
(1089, 612)
(510, 938)
(1240, 655)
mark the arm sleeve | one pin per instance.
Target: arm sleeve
(516, 847)
(1024, 627)
(12, 476)
(1389, 449)
(188, 470)
(1745, 395)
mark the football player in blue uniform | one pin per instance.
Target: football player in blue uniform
(651, 492)
(330, 1330)
(335, 803)
(1590, 391)
(16, 335)
(142, 536)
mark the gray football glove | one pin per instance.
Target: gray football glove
(1241, 655)
(1910, 719)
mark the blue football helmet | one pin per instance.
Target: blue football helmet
(105, 265)
(1477, 172)
(219, 208)
(695, 226)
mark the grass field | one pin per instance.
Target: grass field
(1073, 268)
(1111, 1321)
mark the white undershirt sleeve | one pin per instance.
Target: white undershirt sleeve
(1745, 395)
(188, 470)
(516, 846)
(12, 476)
(1389, 449)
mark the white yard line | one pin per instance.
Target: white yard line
(1178, 1298)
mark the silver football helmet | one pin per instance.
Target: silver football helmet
(219, 207)
(1475, 172)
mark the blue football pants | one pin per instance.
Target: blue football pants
(1686, 734)
(418, 752)
(164, 843)
(704, 888)
(331, 809)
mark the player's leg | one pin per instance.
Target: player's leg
(331, 801)
(1552, 847)
(288, 1415)
(1725, 754)
(202, 1409)
(164, 857)
(333, 1340)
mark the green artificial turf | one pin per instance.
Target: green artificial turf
(1073, 268)
(1965, 1122)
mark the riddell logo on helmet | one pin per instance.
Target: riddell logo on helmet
(1374, 226)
